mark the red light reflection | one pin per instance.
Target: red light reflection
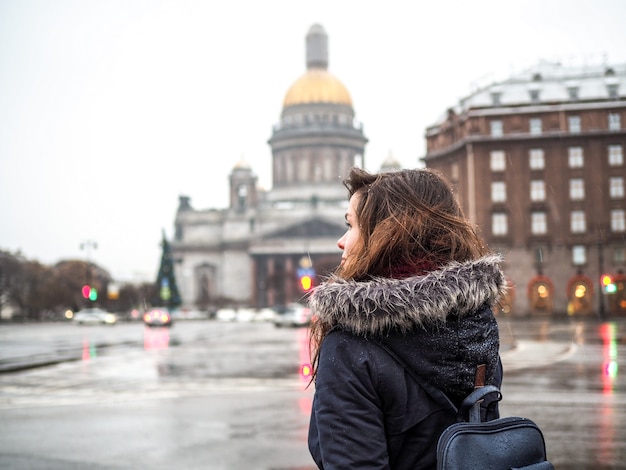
(608, 334)
(608, 426)
(305, 402)
(156, 338)
(304, 354)
(89, 351)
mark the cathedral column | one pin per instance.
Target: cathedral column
(257, 280)
(290, 277)
(270, 289)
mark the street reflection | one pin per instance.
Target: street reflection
(156, 338)
(608, 333)
(89, 351)
(607, 435)
(544, 331)
(305, 402)
(579, 334)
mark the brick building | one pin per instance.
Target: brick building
(538, 164)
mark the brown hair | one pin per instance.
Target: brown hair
(410, 223)
(408, 218)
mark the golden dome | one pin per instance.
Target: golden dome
(317, 86)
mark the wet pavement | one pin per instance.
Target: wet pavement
(229, 396)
(566, 377)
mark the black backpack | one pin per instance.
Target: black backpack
(471, 443)
(499, 444)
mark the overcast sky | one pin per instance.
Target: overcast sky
(112, 109)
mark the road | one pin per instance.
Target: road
(226, 395)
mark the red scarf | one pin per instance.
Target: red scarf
(418, 268)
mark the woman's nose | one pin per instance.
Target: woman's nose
(340, 243)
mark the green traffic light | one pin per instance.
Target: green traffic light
(93, 294)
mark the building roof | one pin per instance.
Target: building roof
(549, 82)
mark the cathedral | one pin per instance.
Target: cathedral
(254, 252)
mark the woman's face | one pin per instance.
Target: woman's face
(348, 242)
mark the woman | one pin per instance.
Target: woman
(415, 276)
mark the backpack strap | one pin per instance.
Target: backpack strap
(471, 403)
(481, 373)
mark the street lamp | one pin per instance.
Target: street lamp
(601, 312)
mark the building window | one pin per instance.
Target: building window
(499, 224)
(612, 90)
(615, 123)
(498, 191)
(578, 222)
(538, 223)
(576, 189)
(537, 190)
(579, 255)
(535, 126)
(619, 255)
(496, 128)
(575, 157)
(497, 162)
(572, 93)
(616, 156)
(616, 187)
(496, 98)
(573, 123)
(618, 222)
(534, 96)
(536, 160)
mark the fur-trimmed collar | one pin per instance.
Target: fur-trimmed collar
(383, 304)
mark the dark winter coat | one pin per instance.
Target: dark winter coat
(368, 413)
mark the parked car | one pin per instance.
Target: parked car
(157, 317)
(94, 316)
(293, 315)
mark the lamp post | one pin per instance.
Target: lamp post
(601, 311)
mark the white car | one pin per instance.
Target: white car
(293, 315)
(94, 316)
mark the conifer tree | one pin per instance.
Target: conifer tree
(167, 293)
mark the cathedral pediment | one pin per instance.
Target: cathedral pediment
(313, 228)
